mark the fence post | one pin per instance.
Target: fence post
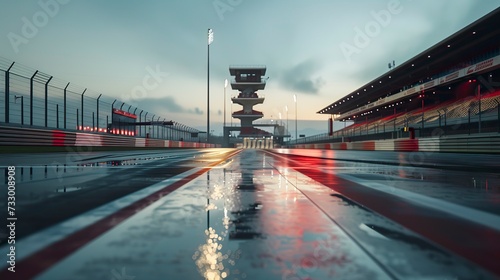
(7, 93)
(97, 128)
(112, 107)
(422, 123)
(394, 131)
(445, 117)
(468, 114)
(65, 108)
(145, 120)
(22, 110)
(140, 120)
(163, 129)
(82, 106)
(47, 101)
(31, 97)
(152, 121)
(498, 115)
(135, 127)
(158, 128)
(479, 93)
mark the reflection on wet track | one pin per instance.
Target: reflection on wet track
(251, 214)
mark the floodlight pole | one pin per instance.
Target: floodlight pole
(210, 40)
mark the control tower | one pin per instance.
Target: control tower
(248, 80)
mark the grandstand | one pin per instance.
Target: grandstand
(452, 88)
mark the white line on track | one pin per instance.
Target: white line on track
(472, 215)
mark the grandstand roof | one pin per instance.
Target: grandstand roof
(476, 38)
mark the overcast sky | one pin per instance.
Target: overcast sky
(319, 50)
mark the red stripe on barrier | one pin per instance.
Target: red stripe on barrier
(58, 138)
(407, 145)
(369, 146)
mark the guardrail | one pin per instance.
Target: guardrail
(18, 136)
(436, 122)
(29, 97)
(485, 143)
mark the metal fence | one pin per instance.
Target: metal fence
(468, 116)
(31, 98)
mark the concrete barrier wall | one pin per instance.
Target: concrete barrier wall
(486, 143)
(17, 136)
(384, 145)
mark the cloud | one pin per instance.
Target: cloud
(196, 111)
(301, 78)
(165, 106)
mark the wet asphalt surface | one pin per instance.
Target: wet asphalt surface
(262, 215)
(54, 187)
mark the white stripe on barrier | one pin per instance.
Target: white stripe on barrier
(84, 139)
(140, 142)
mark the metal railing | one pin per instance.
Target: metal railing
(31, 98)
(469, 116)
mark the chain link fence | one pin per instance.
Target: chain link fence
(31, 98)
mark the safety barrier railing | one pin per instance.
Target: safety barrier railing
(469, 116)
(33, 99)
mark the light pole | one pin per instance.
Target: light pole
(225, 86)
(210, 40)
(295, 100)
